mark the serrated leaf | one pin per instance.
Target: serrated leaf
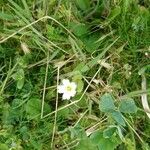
(78, 132)
(104, 143)
(33, 108)
(19, 75)
(117, 116)
(128, 106)
(86, 144)
(106, 103)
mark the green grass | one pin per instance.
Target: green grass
(103, 46)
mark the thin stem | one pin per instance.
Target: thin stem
(56, 107)
(44, 89)
(76, 101)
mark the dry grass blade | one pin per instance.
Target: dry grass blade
(76, 101)
(144, 97)
(56, 107)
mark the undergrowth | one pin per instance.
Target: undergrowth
(101, 45)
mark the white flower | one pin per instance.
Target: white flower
(67, 88)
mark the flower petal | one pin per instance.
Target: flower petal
(66, 96)
(60, 89)
(72, 93)
(73, 85)
(65, 81)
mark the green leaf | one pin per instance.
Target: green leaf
(104, 143)
(6, 16)
(86, 144)
(33, 108)
(128, 106)
(114, 13)
(94, 61)
(63, 113)
(107, 133)
(83, 4)
(78, 68)
(19, 75)
(143, 69)
(79, 29)
(77, 132)
(129, 144)
(106, 103)
(20, 83)
(3, 146)
(78, 80)
(51, 94)
(91, 43)
(117, 116)
(127, 4)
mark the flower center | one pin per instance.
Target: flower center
(68, 88)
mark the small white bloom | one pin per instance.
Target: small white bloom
(67, 88)
(146, 54)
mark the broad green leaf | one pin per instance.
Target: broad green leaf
(107, 133)
(33, 108)
(117, 116)
(86, 144)
(79, 29)
(104, 143)
(106, 103)
(20, 83)
(128, 106)
(63, 113)
(83, 4)
(77, 132)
